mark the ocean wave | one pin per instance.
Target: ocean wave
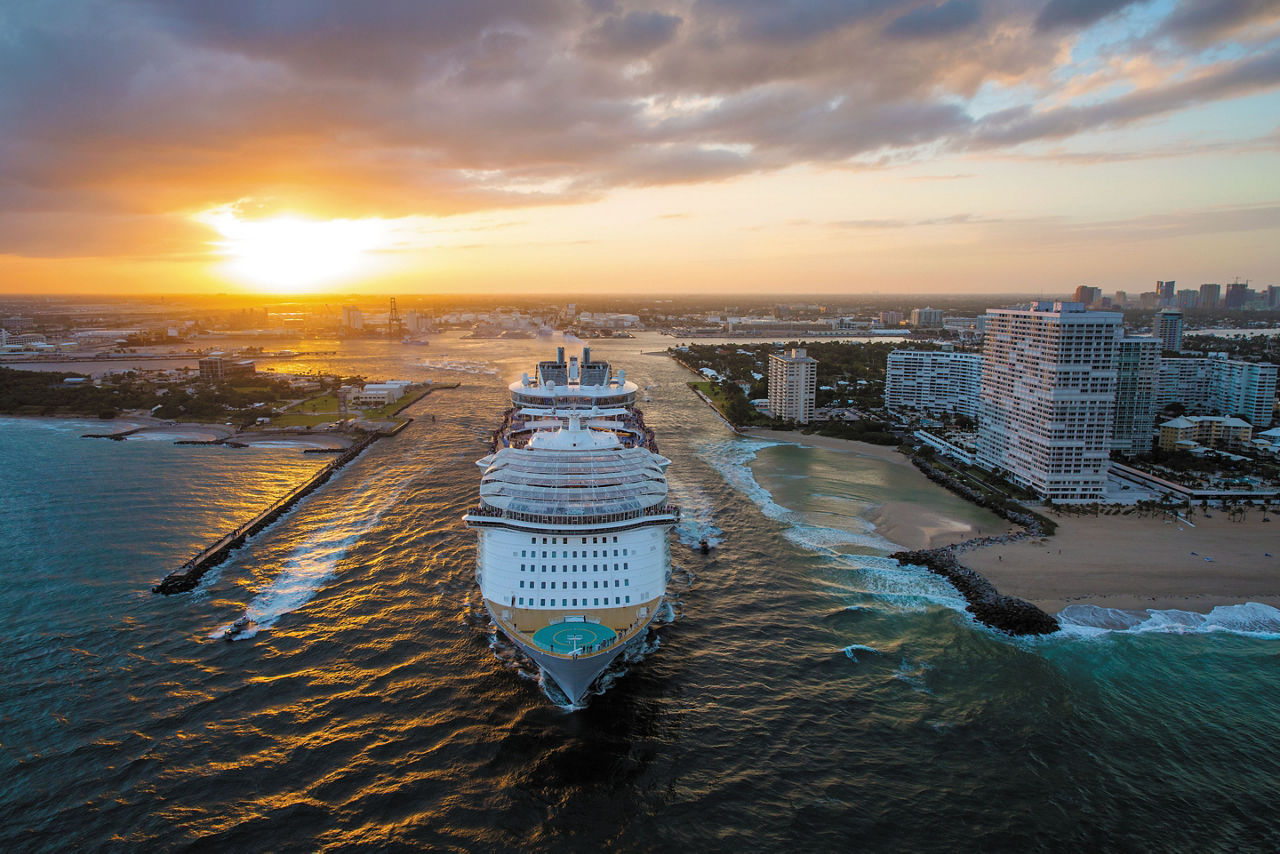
(310, 565)
(904, 589)
(697, 514)
(853, 649)
(1253, 619)
(733, 458)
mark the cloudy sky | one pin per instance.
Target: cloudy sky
(803, 146)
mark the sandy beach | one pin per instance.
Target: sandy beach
(1138, 563)
(909, 524)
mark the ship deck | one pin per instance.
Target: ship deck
(564, 638)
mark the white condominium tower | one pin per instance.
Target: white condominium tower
(1048, 398)
(933, 381)
(793, 381)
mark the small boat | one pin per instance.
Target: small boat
(239, 627)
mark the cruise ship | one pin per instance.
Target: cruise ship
(573, 553)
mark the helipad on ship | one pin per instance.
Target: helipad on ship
(564, 638)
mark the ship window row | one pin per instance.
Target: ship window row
(566, 585)
(617, 600)
(595, 567)
(566, 541)
(594, 552)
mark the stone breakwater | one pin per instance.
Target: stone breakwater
(1006, 613)
(1034, 525)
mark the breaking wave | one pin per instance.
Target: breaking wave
(1253, 619)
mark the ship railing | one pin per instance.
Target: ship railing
(488, 512)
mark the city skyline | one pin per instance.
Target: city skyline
(688, 147)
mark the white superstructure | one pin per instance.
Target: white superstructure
(573, 552)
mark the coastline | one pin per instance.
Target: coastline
(905, 523)
(1123, 562)
(1135, 563)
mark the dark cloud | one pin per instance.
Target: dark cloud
(934, 21)
(139, 112)
(631, 35)
(792, 20)
(1062, 14)
(1203, 20)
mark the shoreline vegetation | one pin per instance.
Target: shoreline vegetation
(1050, 559)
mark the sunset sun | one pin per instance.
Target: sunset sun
(289, 254)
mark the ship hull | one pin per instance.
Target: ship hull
(573, 676)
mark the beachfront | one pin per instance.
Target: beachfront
(1120, 561)
(1137, 563)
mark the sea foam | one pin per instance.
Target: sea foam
(314, 561)
(1252, 618)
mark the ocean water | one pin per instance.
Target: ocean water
(805, 690)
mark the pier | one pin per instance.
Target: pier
(186, 577)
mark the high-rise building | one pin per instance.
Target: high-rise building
(1121, 299)
(1137, 378)
(1087, 296)
(1188, 298)
(1165, 290)
(1237, 295)
(926, 318)
(889, 319)
(793, 381)
(1210, 295)
(1048, 398)
(933, 381)
(1167, 326)
(352, 317)
(1273, 296)
(1216, 384)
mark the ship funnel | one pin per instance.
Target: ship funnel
(559, 355)
(586, 355)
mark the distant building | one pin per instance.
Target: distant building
(1210, 295)
(1273, 296)
(374, 394)
(1216, 384)
(1137, 379)
(1087, 296)
(1048, 398)
(793, 381)
(1213, 431)
(1165, 290)
(933, 381)
(890, 318)
(352, 317)
(1167, 326)
(926, 318)
(1237, 295)
(1188, 299)
(216, 369)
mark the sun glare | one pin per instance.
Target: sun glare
(289, 254)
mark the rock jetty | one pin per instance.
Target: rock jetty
(1006, 613)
